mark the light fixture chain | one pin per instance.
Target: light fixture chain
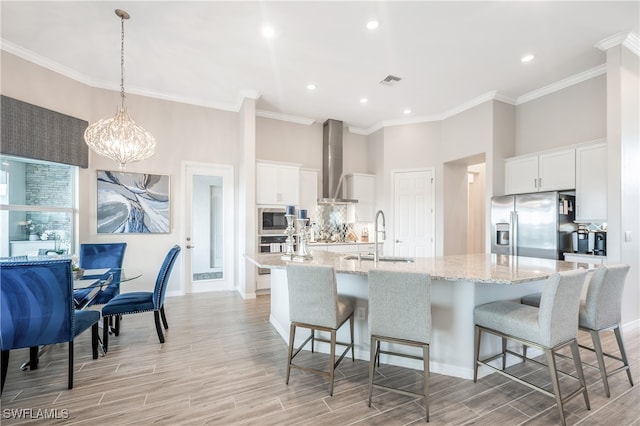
(120, 138)
(122, 60)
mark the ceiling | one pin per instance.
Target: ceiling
(449, 55)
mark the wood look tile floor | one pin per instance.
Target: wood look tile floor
(224, 364)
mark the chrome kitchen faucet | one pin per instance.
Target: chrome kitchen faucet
(376, 256)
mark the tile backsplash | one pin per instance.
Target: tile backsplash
(331, 221)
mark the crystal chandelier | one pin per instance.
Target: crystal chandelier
(120, 138)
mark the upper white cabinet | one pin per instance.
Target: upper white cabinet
(361, 187)
(277, 184)
(521, 175)
(549, 171)
(309, 191)
(591, 183)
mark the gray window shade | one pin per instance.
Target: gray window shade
(30, 131)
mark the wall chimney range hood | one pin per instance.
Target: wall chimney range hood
(332, 175)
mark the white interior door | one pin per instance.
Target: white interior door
(413, 213)
(208, 227)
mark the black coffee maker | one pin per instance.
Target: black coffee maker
(600, 243)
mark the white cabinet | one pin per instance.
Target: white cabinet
(549, 171)
(30, 248)
(277, 184)
(263, 282)
(361, 187)
(309, 191)
(346, 248)
(585, 258)
(591, 183)
(557, 170)
(521, 175)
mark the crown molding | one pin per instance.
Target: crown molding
(562, 84)
(246, 94)
(285, 117)
(489, 96)
(367, 131)
(633, 43)
(184, 100)
(30, 56)
(628, 39)
(56, 67)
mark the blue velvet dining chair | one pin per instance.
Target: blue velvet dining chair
(99, 256)
(103, 255)
(38, 309)
(142, 301)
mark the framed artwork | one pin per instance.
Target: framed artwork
(133, 203)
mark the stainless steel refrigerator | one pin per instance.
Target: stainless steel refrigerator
(533, 225)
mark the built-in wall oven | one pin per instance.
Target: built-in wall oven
(270, 244)
(271, 237)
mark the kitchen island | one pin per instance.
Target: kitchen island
(459, 283)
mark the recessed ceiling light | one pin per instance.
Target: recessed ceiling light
(311, 86)
(268, 31)
(527, 58)
(373, 24)
(364, 100)
(407, 111)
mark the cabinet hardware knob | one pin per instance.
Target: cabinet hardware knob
(189, 246)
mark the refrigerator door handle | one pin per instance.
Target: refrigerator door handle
(514, 234)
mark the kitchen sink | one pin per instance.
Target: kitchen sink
(380, 259)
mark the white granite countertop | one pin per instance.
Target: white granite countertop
(487, 268)
(585, 255)
(340, 243)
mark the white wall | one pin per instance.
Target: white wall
(467, 138)
(355, 154)
(477, 206)
(302, 144)
(504, 135)
(413, 146)
(623, 157)
(575, 114)
(182, 132)
(289, 142)
(572, 115)
(602, 107)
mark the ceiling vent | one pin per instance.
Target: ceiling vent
(390, 80)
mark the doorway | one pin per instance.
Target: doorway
(208, 227)
(413, 207)
(464, 206)
(477, 206)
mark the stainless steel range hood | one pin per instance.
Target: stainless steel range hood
(332, 175)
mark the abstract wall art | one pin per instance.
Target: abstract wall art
(133, 203)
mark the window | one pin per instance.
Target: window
(38, 207)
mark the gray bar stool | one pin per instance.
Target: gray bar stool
(550, 327)
(601, 311)
(314, 304)
(400, 313)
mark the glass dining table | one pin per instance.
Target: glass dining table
(93, 280)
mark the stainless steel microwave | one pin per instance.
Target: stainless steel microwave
(271, 221)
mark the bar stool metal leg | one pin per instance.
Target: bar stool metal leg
(623, 353)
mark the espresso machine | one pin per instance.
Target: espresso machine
(583, 240)
(600, 243)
